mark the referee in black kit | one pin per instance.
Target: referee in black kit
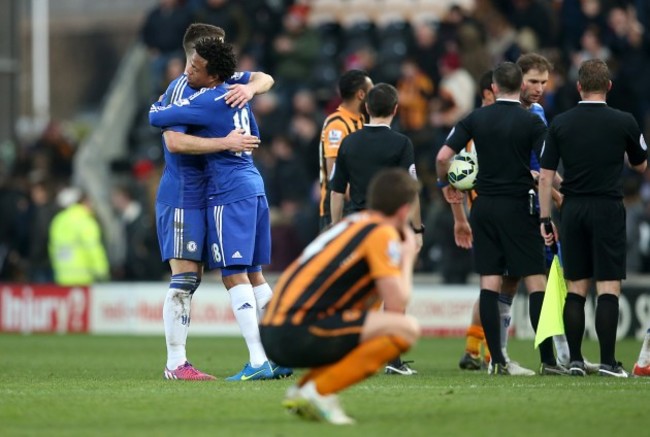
(361, 156)
(367, 151)
(591, 140)
(505, 228)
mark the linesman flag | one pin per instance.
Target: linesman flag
(550, 320)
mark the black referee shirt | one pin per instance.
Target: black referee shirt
(591, 140)
(364, 153)
(505, 134)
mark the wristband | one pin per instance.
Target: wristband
(442, 184)
(545, 220)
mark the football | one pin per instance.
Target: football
(462, 172)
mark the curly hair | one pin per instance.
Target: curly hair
(220, 57)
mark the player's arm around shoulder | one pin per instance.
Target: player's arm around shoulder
(189, 111)
(239, 93)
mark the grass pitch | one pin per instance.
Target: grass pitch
(113, 386)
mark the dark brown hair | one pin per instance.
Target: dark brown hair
(390, 189)
(197, 31)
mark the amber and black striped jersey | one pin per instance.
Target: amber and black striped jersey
(337, 272)
(337, 126)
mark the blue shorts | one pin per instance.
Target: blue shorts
(239, 233)
(181, 232)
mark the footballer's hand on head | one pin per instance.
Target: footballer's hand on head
(419, 242)
(238, 95)
(409, 244)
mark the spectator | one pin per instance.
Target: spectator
(53, 152)
(14, 233)
(228, 15)
(162, 33)
(41, 213)
(414, 89)
(142, 262)
(457, 92)
(534, 15)
(426, 50)
(76, 249)
(295, 50)
(591, 47)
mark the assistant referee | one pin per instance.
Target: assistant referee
(505, 228)
(591, 140)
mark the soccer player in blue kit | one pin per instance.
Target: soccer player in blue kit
(181, 199)
(238, 227)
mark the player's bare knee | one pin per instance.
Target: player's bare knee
(408, 329)
(413, 328)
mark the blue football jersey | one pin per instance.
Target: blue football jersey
(538, 110)
(230, 176)
(183, 183)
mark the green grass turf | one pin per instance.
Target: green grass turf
(86, 386)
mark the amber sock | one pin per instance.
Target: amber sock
(474, 337)
(311, 374)
(363, 361)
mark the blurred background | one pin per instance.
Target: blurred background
(77, 78)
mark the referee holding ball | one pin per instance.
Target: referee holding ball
(591, 140)
(505, 228)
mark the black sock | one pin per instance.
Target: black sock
(535, 300)
(574, 324)
(489, 311)
(606, 326)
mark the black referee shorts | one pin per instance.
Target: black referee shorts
(594, 242)
(506, 237)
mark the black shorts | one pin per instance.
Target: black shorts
(506, 237)
(315, 344)
(594, 242)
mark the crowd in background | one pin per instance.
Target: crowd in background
(435, 63)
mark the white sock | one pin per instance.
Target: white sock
(505, 318)
(644, 355)
(263, 294)
(244, 306)
(562, 349)
(176, 318)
